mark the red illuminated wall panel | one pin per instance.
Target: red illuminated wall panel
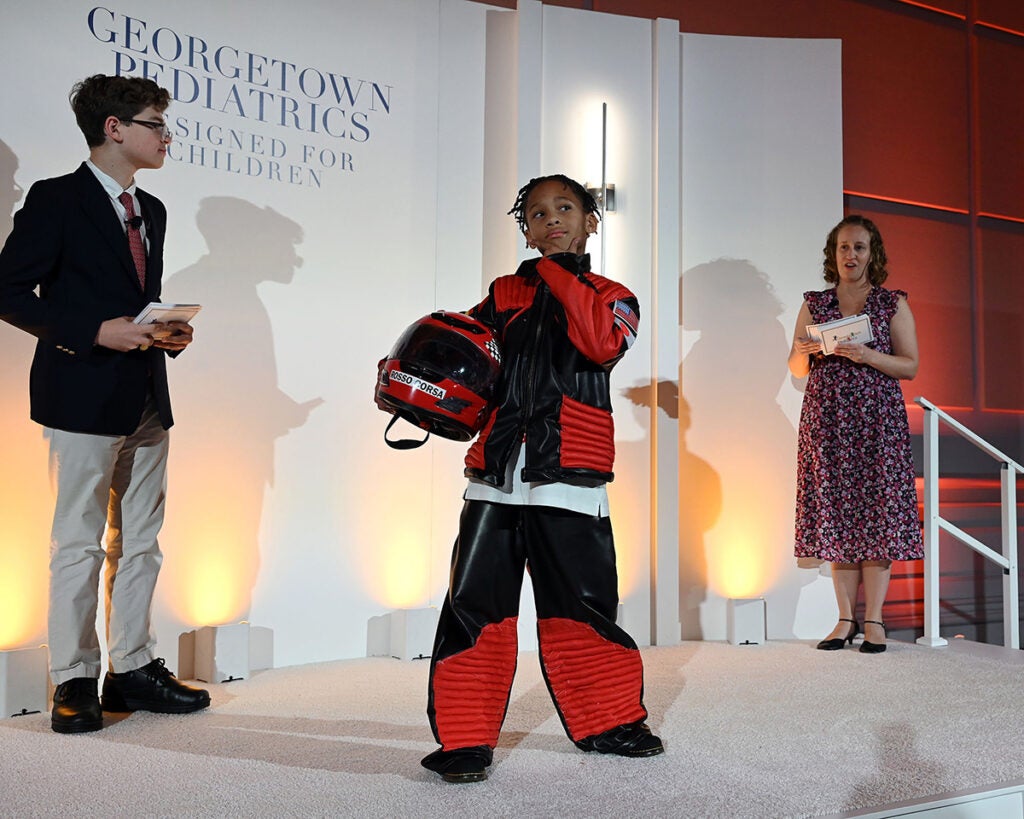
(1000, 62)
(952, 7)
(929, 257)
(668, 9)
(1002, 316)
(905, 123)
(1005, 13)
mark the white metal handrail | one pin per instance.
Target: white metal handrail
(933, 522)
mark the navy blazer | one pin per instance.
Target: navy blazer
(67, 241)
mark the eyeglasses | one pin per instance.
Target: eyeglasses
(160, 127)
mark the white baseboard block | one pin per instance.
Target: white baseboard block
(745, 621)
(232, 652)
(406, 634)
(24, 681)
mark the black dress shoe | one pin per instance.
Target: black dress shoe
(837, 643)
(872, 648)
(151, 688)
(634, 739)
(460, 764)
(76, 707)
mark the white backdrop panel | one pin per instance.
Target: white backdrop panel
(575, 84)
(762, 185)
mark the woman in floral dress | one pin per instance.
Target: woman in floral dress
(856, 501)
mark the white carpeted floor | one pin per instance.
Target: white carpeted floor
(779, 730)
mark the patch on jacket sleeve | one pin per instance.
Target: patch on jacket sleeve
(627, 320)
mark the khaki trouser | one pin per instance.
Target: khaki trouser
(117, 483)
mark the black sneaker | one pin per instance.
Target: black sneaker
(634, 739)
(460, 764)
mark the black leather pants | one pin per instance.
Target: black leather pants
(592, 666)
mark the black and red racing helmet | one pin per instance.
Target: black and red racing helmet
(440, 375)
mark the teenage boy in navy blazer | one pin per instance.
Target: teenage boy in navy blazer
(84, 257)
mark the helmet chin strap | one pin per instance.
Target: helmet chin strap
(405, 443)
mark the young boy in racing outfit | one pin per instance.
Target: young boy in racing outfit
(537, 497)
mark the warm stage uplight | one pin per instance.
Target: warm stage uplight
(214, 595)
(26, 508)
(22, 600)
(403, 584)
(211, 555)
(744, 565)
(628, 516)
(210, 537)
(391, 554)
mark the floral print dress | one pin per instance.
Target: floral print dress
(856, 498)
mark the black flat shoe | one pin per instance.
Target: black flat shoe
(151, 688)
(460, 764)
(634, 739)
(872, 648)
(837, 643)
(76, 707)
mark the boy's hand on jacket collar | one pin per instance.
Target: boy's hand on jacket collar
(571, 262)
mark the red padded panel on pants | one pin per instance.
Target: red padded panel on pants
(471, 688)
(597, 683)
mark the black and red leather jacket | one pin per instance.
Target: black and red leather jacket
(562, 329)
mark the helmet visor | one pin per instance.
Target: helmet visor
(436, 353)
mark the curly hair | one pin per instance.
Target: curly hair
(877, 272)
(100, 96)
(586, 198)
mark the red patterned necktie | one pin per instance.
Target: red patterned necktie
(134, 237)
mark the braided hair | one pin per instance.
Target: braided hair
(586, 198)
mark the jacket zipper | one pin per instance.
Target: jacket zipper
(531, 380)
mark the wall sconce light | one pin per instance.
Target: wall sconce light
(604, 193)
(24, 682)
(745, 624)
(605, 196)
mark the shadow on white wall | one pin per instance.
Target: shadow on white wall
(738, 493)
(231, 407)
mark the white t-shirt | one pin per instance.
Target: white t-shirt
(588, 500)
